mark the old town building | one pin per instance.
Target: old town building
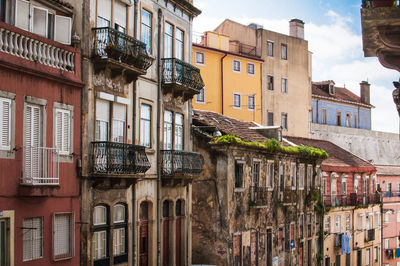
(232, 76)
(40, 90)
(352, 220)
(286, 73)
(253, 205)
(137, 166)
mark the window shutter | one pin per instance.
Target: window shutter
(62, 234)
(39, 21)
(63, 131)
(66, 132)
(104, 9)
(120, 13)
(62, 29)
(5, 124)
(59, 130)
(22, 14)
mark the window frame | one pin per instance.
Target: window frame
(5, 149)
(198, 98)
(284, 117)
(270, 44)
(177, 42)
(240, 100)
(338, 118)
(175, 125)
(239, 64)
(292, 175)
(284, 85)
(270, 175)
(348, 120)
(254, 69)
(284, 51)
(71, 239)
(40, 238)
(101, 228)
(64, 108)
(270, 122)
(302, 174)
(117, 225)
(200, 63)
(253, 107)
(242, 165)
(324, 116)
(144, 120)
(150, 48)
(270, 82)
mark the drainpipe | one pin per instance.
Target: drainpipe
(317, 112)
(159, 102)
(222, 83)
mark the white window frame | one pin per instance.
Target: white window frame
(270, 175)
(302, 174)
(338, 223)
(254, 102)
(293, 173)
(233, 98)
(143, 124)
(69, 147)
(324, 116)
(387, 217)
(202, 92)
(6, 147)
(327, 224)
(387, 243)
(376, 254)
(233, 66)
(71, 252)
(29, 230)
(284, 89)
(254, 69)
(360, 221)
(284, 56)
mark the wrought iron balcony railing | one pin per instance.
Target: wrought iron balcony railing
(351, 199)
(181, 163)
(258, 196)
(181, 74)
(370, 235)
(110, 43)
(113, 158)
(41, 166)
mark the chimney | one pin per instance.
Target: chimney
(364, 92)
(297, 28)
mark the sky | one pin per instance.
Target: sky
(333, 30)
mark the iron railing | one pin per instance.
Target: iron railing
(111, 43)
(258, 195)
(176, 71)
(370, 235)
(390, 193)
(181, 163)
(351, 199)
(118, 158)
(41, 166)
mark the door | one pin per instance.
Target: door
(144, 235)
(337, 260)
(178, 239)
(359, 258)
(301, 254)
(32, 142)
(269, 247)
(327, 261)
(253, 249)
(333, 191)
(4, 242)
(237, 250)
(309, 260)
(347, 259)
(166, 238)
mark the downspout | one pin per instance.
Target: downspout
(159, 102)
(317, 112)
(222, 83)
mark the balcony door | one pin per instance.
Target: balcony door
(4, 242)
(166, 234)
(144, 234)
(333, 190)
(168, 40)
(33, 117)
(179, 229)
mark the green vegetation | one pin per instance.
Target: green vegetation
(273, 145)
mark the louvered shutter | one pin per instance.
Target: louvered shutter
(62, 234)
(22, 14)
(62, 29)
(32, 141)
(39, 21)
(5, 124)
(63, 131)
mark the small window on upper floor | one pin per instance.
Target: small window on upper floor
(250, 68)
(238, 174)
(236, 66)
(284, 51)
(251, 102)
(284, 121)
(270, 119)
(338, 118)
(237, 100)
(270, 82)
(331, 89)
(348, 120)
(323, 116)
(284, 85)
(200, 98)
(270, 48)
(200, 58)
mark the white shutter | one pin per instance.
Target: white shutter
(63, 131)
(104, 9)
(32, 140)
(62, 234)
(62, 29)
(120, 13)
(22, 14)
(102, 110)
(119, 112)
(39, 21)
(5, 124)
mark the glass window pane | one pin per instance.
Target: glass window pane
(146, 29)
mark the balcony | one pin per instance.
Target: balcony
(350, 200)
(338, 240)
(41, 166)
(113, 159)
(181, 78)
(38, 55)
(258, 196)
(120, 52)
(180, 163)
(369, 235)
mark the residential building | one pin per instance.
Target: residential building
(389, 184)
(232, 76)
(137, 166)
(352, 223)
(337, 106)
(253, 205)
(40, 106)
(380, 35)
(286, 73)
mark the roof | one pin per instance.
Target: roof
(62, 3)
(341, 94)
(200, 46)
(229, 125)
(388, 170)
(339, 159)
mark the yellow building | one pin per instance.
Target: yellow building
(232, 77)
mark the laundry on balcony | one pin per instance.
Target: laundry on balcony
(345, 244)
(389, 253)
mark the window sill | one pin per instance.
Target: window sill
(239, 190)
(150, 151)
(65, 158)
(63, 257)
(7, 154)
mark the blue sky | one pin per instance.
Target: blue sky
(333, 29)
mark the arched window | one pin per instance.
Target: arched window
(180, 208)
(120, 234)
(100, 236)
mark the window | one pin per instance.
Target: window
(376, 254)
(360, 221)
(146, 29)
(120, 233)
(309, 176)
(250, 68)
(270, 119)
(348, 120)
(367, 256)
(33, 140)
(270, 175)
(179, 43)
(168, 40)
(32, 238)
(281, 176)
(387, 216)
(284, 121)
(343, 187)
(301, 176)
(236, 66)
(200, 98)
(255, 170)
(238, 174)
(200, 58)
(270, 82)
(327, 224)
(119, 123)
(5, 245)
(100, 236)
(102, 120)
(270, 48)
(323, 116)
(63, 224)
(63, 131)
(331, 89)
(168, 125)
(338, 118)
(376, 219)
(338, 222)
(293, 175)
(120, 16)
(387, 243)
(284, 51)
(301, 225)
(309, 224)
(347, 221)
(43, 21)
(178, 132)
(284, 85)
(251, 102)
(237, 103)
(145, 125)
(5, 124)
